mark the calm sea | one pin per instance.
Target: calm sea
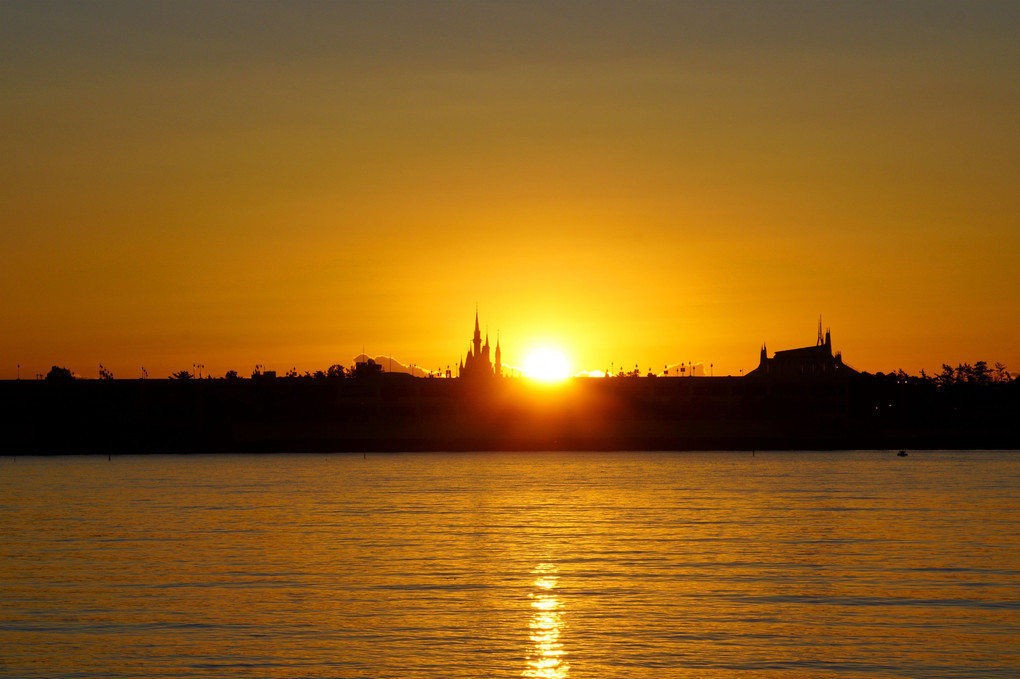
(837, 564)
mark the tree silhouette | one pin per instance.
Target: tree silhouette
(981, 373)
(181, 375)
(1001, 374)
(57, 374)
(231, 375)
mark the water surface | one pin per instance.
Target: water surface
(845, 564)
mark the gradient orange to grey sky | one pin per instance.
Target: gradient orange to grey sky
(287, 183)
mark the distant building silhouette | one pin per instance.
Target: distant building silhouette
(816, 361)
(367, 368)
(478, 365)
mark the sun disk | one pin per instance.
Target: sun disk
(546, 365)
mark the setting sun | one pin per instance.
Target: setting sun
(546, 365)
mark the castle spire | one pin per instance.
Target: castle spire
(477, 339)
(498, 367)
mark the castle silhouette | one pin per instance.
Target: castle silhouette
(477, 365)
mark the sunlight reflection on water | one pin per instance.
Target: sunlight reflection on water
(546, 655)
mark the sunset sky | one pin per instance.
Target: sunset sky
(289, 183)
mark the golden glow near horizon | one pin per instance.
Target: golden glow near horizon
(651, 184)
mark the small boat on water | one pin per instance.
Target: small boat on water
(902, 453)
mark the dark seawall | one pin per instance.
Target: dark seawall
(400, 413)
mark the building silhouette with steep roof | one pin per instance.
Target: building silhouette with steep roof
(816, 361)
(478, 365)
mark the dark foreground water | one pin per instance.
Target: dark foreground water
(858, 564)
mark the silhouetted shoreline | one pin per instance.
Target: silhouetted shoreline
(394, 412)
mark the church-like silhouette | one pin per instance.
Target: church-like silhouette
(816, 361)
(477, 365)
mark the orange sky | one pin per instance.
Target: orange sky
(232, 183)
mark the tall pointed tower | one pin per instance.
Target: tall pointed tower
(497, 368)
(477, 341)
